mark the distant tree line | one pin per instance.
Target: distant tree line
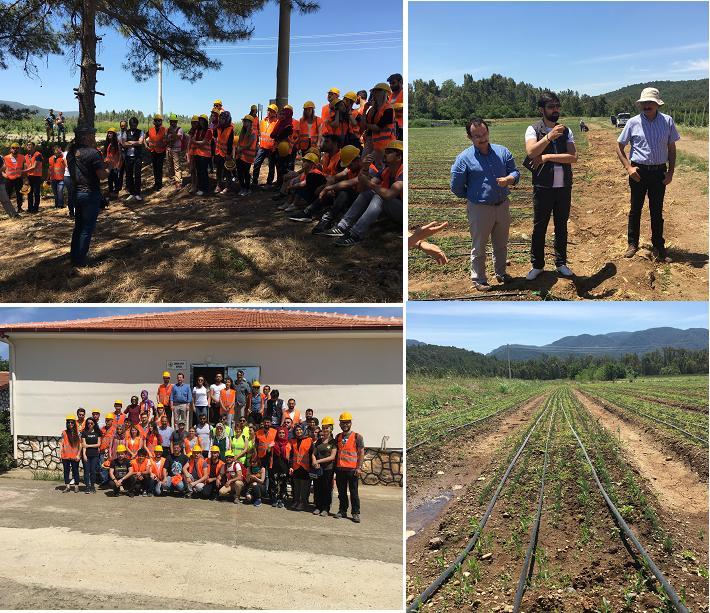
(128, 113)
(443, 361)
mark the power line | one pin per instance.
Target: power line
(358, 49)
(318, 44)
(309, 36)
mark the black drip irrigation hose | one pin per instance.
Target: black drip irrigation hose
(526, 571)
(446, 575)
(679, 606)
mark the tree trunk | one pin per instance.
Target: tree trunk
(87, 83)
(283, 53)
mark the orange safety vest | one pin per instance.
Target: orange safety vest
(151, 440)
(326, 116)
(113, 157)
(308, 134)
(295, 134)
(133, 444)
(107, 437)
(331, 165)
(13, 169)
(382, 136)
(388, 179)
(200, 466)
(219, 465)
(158, 139)
(140, 467)
(31, 159)
(247, 151)
(120, 418)
(189, 445)
(57, 165)
(296, 419)
(347, 452)
(205, 149)
(157, 467)
(357, 113)
(68, 451)
(262, 441)
(223, 135)
(302, 453)
(164, 392)
(398, 113)
(228, 398)
(266, 127)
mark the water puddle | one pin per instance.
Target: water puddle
(427, 512)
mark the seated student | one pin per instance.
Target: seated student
(214, 470)
(134, 441)
(233, 478)
(382, 192)
(195, 472)
(255, 479)
(306, 186)
(301, 449)
(204, 434)
(329, 161)
(118, 472)
(279, 468)
(178, 461)
(158, 412)
(140, 469)
(159, 472)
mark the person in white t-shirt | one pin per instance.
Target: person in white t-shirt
(70, 194)
(551, 153)
(204, 434)
(200, 400)
(215, 393)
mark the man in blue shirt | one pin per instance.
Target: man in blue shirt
(482, 174)
(180, 399)
(650, 165)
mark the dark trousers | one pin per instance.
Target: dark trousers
(69, 196)
(58, 191)
(114, 185)
(121, 172)
(342, 202)
(651, 183)
(347, 480)
(277, 485)
(157, 160)
(219, 164)
(255, 490)
(143, 485)
(91, 471)
(261, 155)
(73, 466)
(243, 173)
(87, 212)
(301, 488)
(14, 184)
(128, 484)
(546, 201)
(281, 168)
(35, 193)
(203, 177)
(323, 491)
(133, 175)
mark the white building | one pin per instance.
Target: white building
(327, 362)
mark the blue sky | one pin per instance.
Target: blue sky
(483, 326)
(334, 47)
(10, 315)
(591, 47)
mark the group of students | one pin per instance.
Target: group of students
(262, 452)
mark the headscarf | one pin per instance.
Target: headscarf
(225, 118)
(145, 404)
(224, 432)
(285, 117)
(280, 445)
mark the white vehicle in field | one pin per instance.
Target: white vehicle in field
(621, 119)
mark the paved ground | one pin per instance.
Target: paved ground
(171, 553)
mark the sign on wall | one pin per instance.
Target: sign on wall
(177, 365)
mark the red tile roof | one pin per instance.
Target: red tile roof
(216, 320)
(4, 379)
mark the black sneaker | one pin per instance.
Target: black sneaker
(301, 218)
(335, 231)
(321, 227)
(506, 278)
(348, 241)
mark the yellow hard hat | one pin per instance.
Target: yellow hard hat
(203, 116)
(308, 104)
(160, 405)
(398, 106)
(121, 449)
(166, 374)
(248, 118)
(255, 383)
(384, 87)
(288, 106)
(157, 116)
(158, 448)
(112, 130)
(395, 144)
(311, 157)
(351, 96)
(345, 417)
(348, 154)
(15, 145)
(216, 109)
(95, 411)
(70, 418)
(196, 448)
(110, 416)
(284, 148)
(327, 421)
(273, 107)
(229, 454)
(214, 448)
(117, 402)
(216, 102)
(230, 164)
(195, 118)
(334, 90)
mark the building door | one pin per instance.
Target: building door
(208, 371)
(251, 373)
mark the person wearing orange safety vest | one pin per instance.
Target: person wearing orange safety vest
(348, 467)
(254, 113)
(266, 146)
(159, 472)
(378, 122)
(327, 112)
(245, 153)
(358, 111)
(281, 135)
(396, 83)
(157, 143)
(202, 152)
(224, 150)
(191, 150)
(308, 128)
(214, 472)
(80, 418)
(13, 173)
(164, 396)
(113, 160)
(70, 452)
(132, 142)
(141, 472)
(381, 192)
(33, 167)
(194, 472)
(4, 199)
(323, 465)
(301, 449)
(57, 166)
(345, 124)
(304, 189)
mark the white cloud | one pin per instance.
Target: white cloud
(642, 54)
(700, 65)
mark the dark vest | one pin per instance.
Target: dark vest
(545, 175)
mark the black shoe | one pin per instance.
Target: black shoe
(334, 232)
(301, 218)
(506, 278)
(348, 241)
(321, 228)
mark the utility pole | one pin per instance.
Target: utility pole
(283, 53)
(510, 374)
(160, 85)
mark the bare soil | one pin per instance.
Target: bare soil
(183, 248)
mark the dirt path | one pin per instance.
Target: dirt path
(677, 488)
(694, 146)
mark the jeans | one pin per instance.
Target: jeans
(87, 212)
(556, 201)
(35, 193)
(180, 487)
(323, 491)
(203, 177)
(363, 213)
(651, 183)
(157, 160)
(347, 481)
(114, 185)
(261, 155)
(219, 164)
(91, 471)
(69, 196)
(72, 465)
(144, 485)
(121, 172)
(5, 201)
(201, 410)
(58, 191)
(344, 199)
(255, 490)
(133, 174)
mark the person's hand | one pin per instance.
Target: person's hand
(425, 231)
(290, 471)
(556, 132)
(668, 178)
(358, 472)
(634, 173)
(434, 252)
(537, 161)
(504, 181)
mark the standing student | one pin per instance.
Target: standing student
(4, 198)
(378, 122)
(266, 146)
(181, 400)
(291, 412)
(274, 409)
(215, 396)
(309, 128)
(204, 433)
(164, 396)
(49, 122)
(227, 400)
(326, 115)
(176, 144)
(243, 389)
(61, 128)
(482, 174)
(14, 170)
(396, 83)
(113, 160)
(70, 452)
(241, 446)
(301, 449)
(33, 167)
(146, 405)
(221, 439)
(165, 432)
(157, 143)
(200, 399)
(551, 149)
(323, 460)
(650, 165)
(202, 153)
(134, 440)
(245, 154)
(224, 148)
(90, 443)
(279, 465)
(348, 467)
(133, 411)
(255, 403)
(132, 142)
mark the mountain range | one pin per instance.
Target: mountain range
(41, 111)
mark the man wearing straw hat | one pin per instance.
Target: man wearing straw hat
(650, 165)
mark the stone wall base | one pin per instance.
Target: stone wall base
(382, 467)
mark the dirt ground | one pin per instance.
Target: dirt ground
(598, 239)
(95, 551)
(190, 249)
